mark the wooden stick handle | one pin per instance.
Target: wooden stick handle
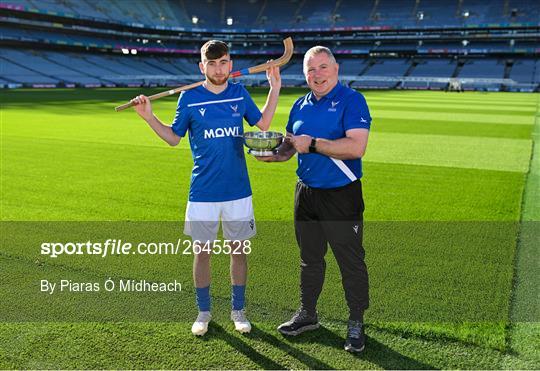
(124, 106)
(161, 95)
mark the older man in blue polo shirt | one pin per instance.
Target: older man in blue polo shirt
(328, 128)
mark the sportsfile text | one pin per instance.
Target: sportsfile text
(111, 247)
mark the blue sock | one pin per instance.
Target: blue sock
(238, 296)
(203, 298)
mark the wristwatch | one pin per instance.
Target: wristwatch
(312, 148)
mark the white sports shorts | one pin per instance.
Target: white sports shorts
(237, 219)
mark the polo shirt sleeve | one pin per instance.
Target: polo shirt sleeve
(356, 115)
(252, 114)
(181, 120)
(290, 122)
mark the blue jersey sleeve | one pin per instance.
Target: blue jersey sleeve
(356, 115)
(180, 123)
(252, 114)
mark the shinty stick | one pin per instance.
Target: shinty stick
(284, 59)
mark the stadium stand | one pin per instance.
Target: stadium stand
(381, 69)
(290, 13)
(436, 68)
(525, 71)
(17, 73)
(383, 44)
(482, 69)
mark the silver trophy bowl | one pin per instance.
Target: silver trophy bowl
(262, 143)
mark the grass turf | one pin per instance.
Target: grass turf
(68, 156)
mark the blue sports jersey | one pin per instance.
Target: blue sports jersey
(215, 126)
(330, 117)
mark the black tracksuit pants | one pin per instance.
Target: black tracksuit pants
(335, 217)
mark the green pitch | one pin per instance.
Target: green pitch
(444, 178)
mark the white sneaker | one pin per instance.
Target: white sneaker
(241, 323)
(200, 326)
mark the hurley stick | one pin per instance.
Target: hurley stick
(287, 54)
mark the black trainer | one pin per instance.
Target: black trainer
(356, 339)
(300, 322)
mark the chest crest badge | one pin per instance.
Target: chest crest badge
(333, 108)
(235, 109)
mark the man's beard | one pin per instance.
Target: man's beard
(221, 81)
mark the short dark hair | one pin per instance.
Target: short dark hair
(214, 49)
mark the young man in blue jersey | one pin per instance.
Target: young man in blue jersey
(212, 115)
(329, 129)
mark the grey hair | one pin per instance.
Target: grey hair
(318, 50)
